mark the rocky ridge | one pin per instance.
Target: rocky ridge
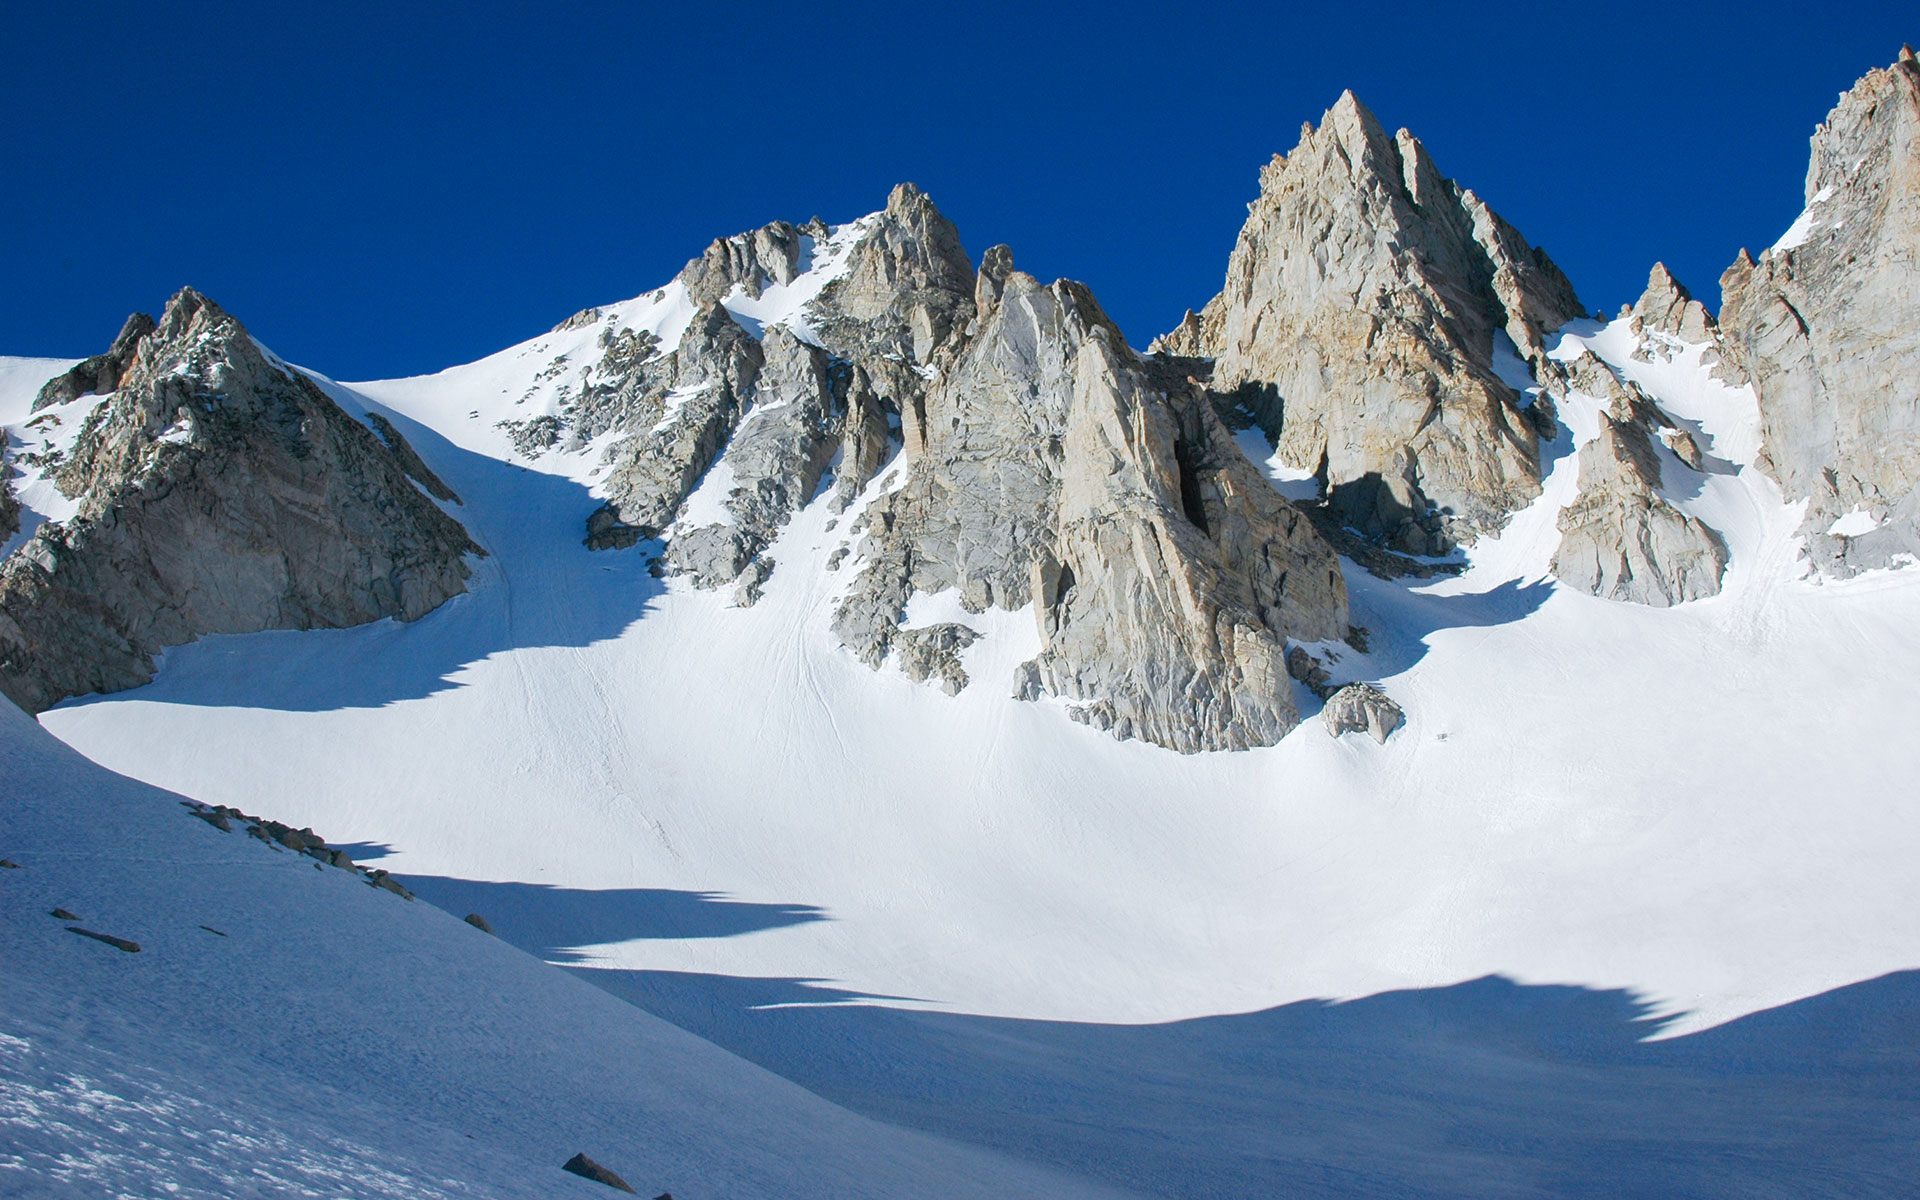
(1053, 467)
(1379, 322)
(218, 491)
(1826, 326)
(771, 407)
(1039, 461)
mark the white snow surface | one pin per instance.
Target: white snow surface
(1690, 815)
(1803, 225)
(286, 1030)
(1854, 523)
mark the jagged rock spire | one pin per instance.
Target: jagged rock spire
(1666, 306)
(1360, 310)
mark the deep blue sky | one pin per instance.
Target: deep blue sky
(378, 194)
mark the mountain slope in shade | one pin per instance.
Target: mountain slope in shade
(285, 1029)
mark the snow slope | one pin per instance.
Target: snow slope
(905, 901)
(287, 1030)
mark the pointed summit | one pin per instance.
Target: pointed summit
(1668, 307)
(217, 491)
(1360, 311)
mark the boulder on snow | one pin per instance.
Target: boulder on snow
(61, 914)
(478, 922)
(586, 1168)
(1361, 708)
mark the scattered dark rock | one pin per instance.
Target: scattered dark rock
(217, 820)
(1307, 669)
(212, 930)
(61, 914)
(380, 879)
(478, 922)
(586, 1168)
(116, 942)
(9, 864)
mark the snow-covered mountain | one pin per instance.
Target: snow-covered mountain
(872, 665)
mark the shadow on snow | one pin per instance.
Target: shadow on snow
(1485, 1088)
(556, 923)
(1480, 1089)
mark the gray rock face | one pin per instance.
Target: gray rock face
(773, 412)
(750, 261)
(1361, 708)
(1668, 307)
(933, 652)
(1828, 329)
(1358, 316)
(219, 492)
(907, 292)
(1052, 467)
(1178, 573)
(100, 374)
(774, 461)
(652, 472)
(1619, 539)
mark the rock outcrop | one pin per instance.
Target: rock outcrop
(1826, 326)
(652, 472)
(586, 1168)
(219, 491)
(1667, 307)
(1619, 539)
(1361, 708)
(902, 295)
(1358, 322)
(1052, 467)
(773, 463)
(100, 374)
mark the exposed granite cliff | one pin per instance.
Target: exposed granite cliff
(1052, 467)
(1826, 326)
(1359, 318)
(1620, 539)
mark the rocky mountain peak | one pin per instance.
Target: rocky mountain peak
(1361, 314)
(1050, 467)
(217, 491)
(1823, 325)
